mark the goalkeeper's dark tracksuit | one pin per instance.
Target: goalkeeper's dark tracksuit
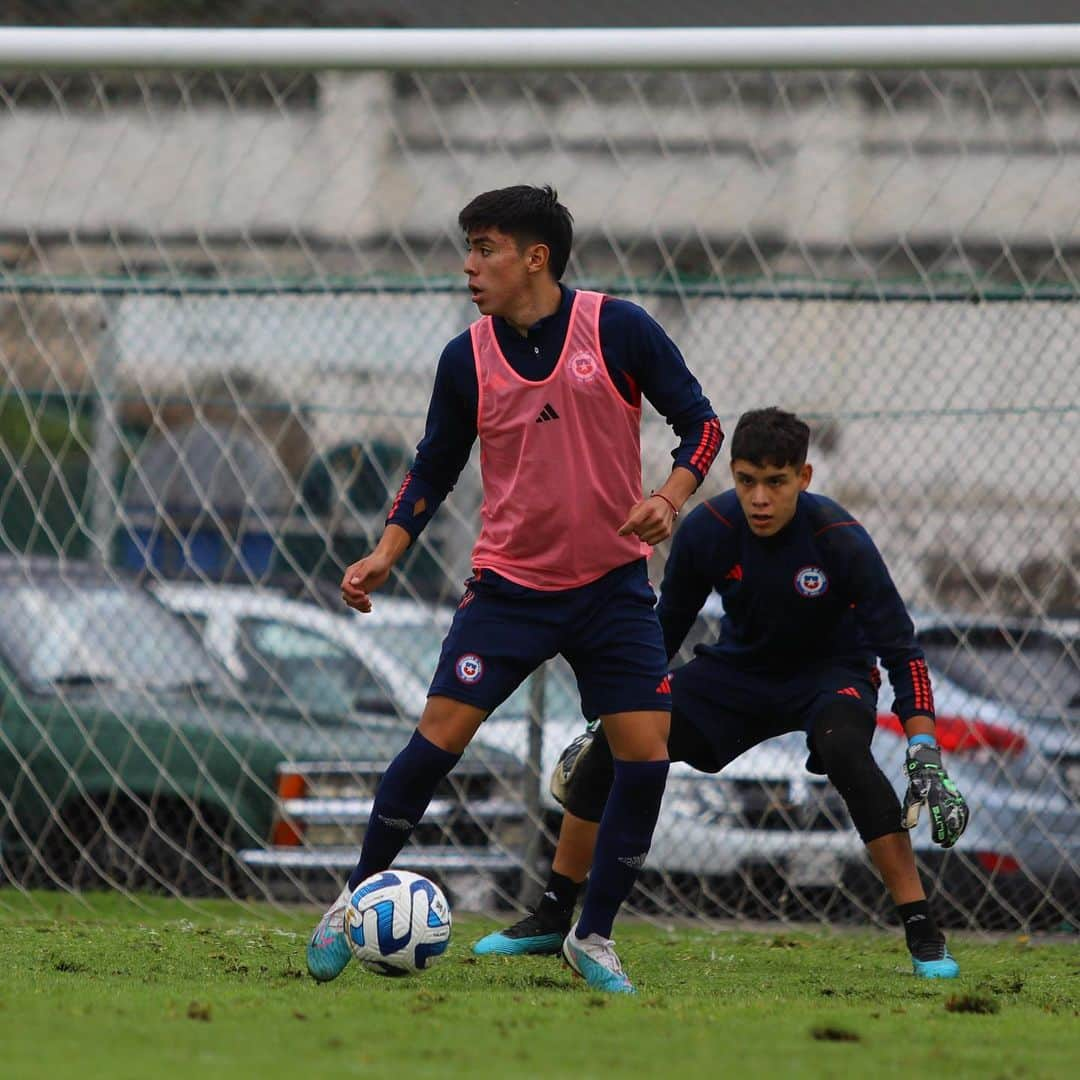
(807, 612)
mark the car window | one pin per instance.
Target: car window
(1036, 672)
(66, 632)
(307, 669)
(416, 645)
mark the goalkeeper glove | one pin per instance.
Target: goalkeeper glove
(929, 783)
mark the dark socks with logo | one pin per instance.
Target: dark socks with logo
(921, 931)
(623, 842)
(404, 793)
(560, 896)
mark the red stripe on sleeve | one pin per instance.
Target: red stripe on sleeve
(401, 491)
(705, 453)
(920, 681)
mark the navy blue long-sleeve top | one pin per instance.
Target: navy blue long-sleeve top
(640, 358)
(818, 591)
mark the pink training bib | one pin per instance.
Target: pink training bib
(560, 461)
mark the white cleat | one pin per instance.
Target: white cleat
(595, 960)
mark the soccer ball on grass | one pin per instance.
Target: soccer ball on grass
(397, 923)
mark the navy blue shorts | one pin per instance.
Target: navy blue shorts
(718, 712)
(607, 631)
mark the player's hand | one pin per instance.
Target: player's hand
(929, 783)
(361, 579)
(652, 520)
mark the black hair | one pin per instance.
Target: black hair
(530, 215)
(770, 437)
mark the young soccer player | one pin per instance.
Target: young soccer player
(550, 380)
(808, 606)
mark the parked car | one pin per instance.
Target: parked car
(130, 756)
(1018, 674)
(762, 833)
(296, 655)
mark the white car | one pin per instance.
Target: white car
(1020, 674)
(319, 658)
(762, 827)
(318, 662)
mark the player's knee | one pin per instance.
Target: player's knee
(590, 782)
(638, 736)
(841, 738)
(450, 724)
(842, 735)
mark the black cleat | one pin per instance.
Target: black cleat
(540, 933)
(932, 960)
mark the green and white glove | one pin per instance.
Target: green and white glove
(929, 783)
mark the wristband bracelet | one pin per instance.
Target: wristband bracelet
(922, 740)
(660, 495)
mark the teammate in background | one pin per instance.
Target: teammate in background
(551, 380)
(808, 607)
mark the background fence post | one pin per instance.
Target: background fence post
(105, 445)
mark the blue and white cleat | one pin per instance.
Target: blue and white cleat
(538, 934)
(594, 959)
(328, 952)
(933, 961)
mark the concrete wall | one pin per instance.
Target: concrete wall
(801, 163)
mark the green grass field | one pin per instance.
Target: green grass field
(103, 988)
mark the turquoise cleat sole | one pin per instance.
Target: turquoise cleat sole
(328, 955)
(328, 952)
(945, 968)
(498, 944)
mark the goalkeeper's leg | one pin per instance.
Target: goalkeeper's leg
(580, 784)
(639, 745)
(541, 930)
(841, 741)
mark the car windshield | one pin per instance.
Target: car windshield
(1034, 672)
(63, 633)
(307, 669)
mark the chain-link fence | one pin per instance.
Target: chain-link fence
(223, 300)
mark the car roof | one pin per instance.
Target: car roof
(1012, 624)
(1062, 626)
(248, 599)
(26, 569)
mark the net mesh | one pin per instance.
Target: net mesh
(221, 303)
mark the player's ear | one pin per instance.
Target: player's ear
(537, 257)
(805, 475)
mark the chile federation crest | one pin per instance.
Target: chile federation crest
(811, 581)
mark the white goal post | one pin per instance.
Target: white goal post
(585, 49)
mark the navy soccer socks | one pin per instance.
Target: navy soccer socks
(622, 842)
(403, 795)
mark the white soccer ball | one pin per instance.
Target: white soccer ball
(397, 922)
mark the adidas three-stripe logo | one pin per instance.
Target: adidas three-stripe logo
(547, 413)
